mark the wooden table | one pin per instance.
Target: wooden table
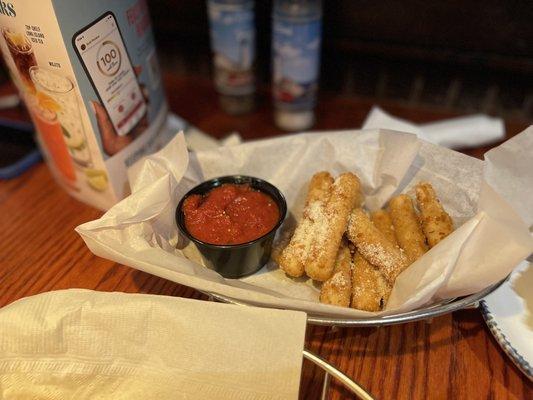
(454, 356)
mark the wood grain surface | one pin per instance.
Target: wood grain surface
(451, 357)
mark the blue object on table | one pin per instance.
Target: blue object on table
(14, 170)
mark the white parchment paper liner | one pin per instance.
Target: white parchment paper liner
(460, 132)
(490, 240)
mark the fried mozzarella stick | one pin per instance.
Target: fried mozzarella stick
(338, 289)
(407, 227)
(370, 290)
(383, 222)
(293, 258)
(436, 223)
(280, 244)
(319, 187)
(345, 195)
(375, 247)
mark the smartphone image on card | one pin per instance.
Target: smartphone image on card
(104, 57)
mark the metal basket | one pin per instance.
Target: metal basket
(331, 371)
(425, 313)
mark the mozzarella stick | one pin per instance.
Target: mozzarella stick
(370, 290)
(319, 187)
(345, 194)
(375, 247)
(337, 289)
(407, 227)
(383, 222)
(293, 258)
(281, 242)
(436, 223)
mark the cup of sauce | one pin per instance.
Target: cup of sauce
(232, 220)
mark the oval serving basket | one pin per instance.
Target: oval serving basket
(424, 313)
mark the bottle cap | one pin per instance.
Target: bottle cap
(294, 120)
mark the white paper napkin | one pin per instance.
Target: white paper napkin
(462, 132)
(81, 344)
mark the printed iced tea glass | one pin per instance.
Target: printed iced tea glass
(51, 135)
(63, 97)
(21, 51)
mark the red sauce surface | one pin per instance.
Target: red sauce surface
(230, 214)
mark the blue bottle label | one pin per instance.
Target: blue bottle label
(233, 46)
(296, 56)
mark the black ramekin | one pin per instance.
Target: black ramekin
(235, 260)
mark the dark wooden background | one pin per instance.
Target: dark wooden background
(467, 56)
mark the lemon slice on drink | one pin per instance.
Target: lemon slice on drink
(76, 142)
(47, 102)
(97, 179)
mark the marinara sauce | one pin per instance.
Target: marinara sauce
(230, 214)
